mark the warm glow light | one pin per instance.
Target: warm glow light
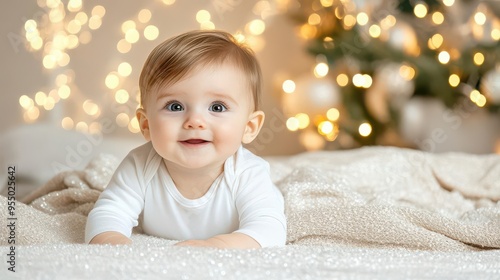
(308, 31)
(112, 81)
(49, 61)
(321, 70)
(342, 80)
(362, 18)
(326, 3)
(435, 41)
(292, 124)
(82, 127)
(123, 46)
(325, 127)
(333, 114)
(49, 103)
(303, 120)
(454, 80)
(478, 98)
(480, 18)
(124, 69)
(314, 19)
(95, 22)
(256, 27)
(36, 43)
(63, 60)
(98, 11)
(349, 21)
(444, 57)
(122, 120)
(72, 41)
(367, 81)
(40, 98)
(407, 72)
(85, 37)
(448, 3)
(67, 123)
(168, 2)
(132, 36)
(478, 58)
(56, 16)
(133, 126)
(26, 102)
(207, 25)
(364, 81)
(437, 18)
(32, 114)
(388, 22)
(73, 27)
(328, 43)
(151, 32)
(95, 128)
(122, 96)
(495, 34)
(420, 10)
(374, 31)
(74, 5)
(202, 16)
(127, 25)
(64, 91)
(365, 129)
(90, 107)
(144, 15)
(288, 86)
(358, 80)
(81, 18)
(30, 25)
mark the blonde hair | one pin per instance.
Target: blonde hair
(176, 57)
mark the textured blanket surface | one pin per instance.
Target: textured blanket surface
(396, 212)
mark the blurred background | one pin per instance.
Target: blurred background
(338, 74)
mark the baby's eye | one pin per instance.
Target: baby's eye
(217, 107)
(174, 106)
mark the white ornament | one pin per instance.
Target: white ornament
(312, 96)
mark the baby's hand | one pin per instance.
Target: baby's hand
(195, 243)
(232, 240)
(110, 237)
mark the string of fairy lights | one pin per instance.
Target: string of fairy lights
(66, 26)
(317, 130)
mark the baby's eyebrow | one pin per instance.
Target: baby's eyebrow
(165, 95)
(223, 97)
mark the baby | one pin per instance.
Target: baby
(193, 181)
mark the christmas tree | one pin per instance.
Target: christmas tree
(380, 54)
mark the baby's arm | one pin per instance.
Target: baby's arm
(116, 211)
(233, 240)
(110, 237)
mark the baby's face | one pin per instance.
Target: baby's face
(200, 120)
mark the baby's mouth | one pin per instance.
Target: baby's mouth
(195, 141)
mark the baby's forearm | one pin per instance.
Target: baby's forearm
(110, 237)
(233, 240)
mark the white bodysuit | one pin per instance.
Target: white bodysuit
(242, 199)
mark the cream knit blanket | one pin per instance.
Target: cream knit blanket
(377, 197)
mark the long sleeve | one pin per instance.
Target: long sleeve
(120, 204)
(260, 206)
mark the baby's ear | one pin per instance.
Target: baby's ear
(254, 124)
(143, 123)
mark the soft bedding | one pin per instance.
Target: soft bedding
(375, 212)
